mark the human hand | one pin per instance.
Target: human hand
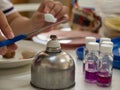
(48, 6)
(5, 33)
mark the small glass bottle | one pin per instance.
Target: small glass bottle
(104, 75)
(104, 39)
(87, 40)
(91, 65)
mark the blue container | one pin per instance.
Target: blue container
(80, 53)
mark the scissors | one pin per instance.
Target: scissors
(23, 36)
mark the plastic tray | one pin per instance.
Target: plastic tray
(116, 61)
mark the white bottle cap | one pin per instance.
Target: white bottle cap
(90, 39)
(106, 48)
(104, 39)
(107, 42)
(93, 46)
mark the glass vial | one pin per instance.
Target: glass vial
(91, 65)
(87, 40)
(104, 75)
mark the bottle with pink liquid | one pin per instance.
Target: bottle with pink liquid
(87, 40)
(91, 65)
(104, 75)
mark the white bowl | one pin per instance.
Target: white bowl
(111, 27)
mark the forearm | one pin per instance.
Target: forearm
(19, 24)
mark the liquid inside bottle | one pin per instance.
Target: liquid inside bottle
(91, 72)
(104, 78)
(104, 75)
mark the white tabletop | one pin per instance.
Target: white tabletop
(19, 78)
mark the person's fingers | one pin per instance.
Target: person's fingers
(62, 12)
(46, 6)
(5, 33)
(3, 50)
(65, 18)
(12, 47)
(56, 8)
(4, 26)
(37, 20)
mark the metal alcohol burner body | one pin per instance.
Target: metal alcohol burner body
(53, 69)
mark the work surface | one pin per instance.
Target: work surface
(19, 78)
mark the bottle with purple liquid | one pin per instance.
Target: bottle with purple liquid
(87, 40)
(91, 65)
(104, 75)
